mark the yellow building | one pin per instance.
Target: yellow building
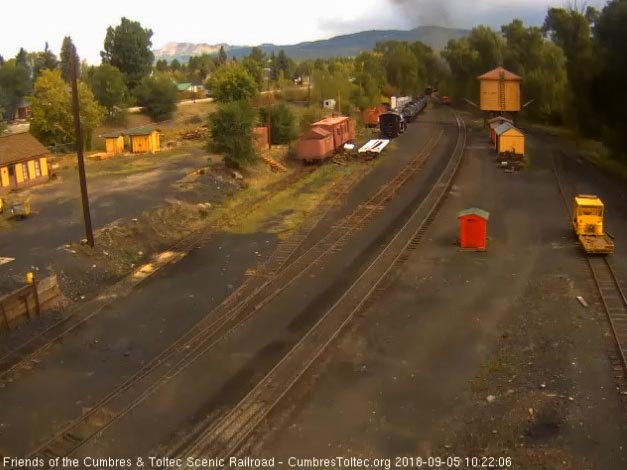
(509, 139)
(23, 161)
(144, 140)
(114, 142)
(499, 91)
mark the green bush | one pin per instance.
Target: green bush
(310, 115)
(283, 124)
(158, 96)
(232, 132)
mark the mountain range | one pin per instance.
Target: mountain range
(347, 45)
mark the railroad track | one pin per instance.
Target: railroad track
(25, 356)
(223, 437)
(608, 285)
(282, 270)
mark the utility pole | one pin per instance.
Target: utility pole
(89, 234)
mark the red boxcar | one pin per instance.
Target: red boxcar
(324, 137)
(473, 229)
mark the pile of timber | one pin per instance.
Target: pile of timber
(273, 164)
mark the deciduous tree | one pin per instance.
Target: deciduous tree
(232, 82)
(232, 132)
(52, 120)
(128, 47)
(158, 96)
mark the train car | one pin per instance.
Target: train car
(414, 108)
(371, 115)
(325, 137)
(588, 217)
(392, 124)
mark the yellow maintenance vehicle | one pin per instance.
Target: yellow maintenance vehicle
(588, 216)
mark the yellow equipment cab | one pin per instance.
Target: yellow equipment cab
(588, 216)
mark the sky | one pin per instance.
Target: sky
(30, 23)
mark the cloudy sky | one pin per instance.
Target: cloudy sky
(30, 23)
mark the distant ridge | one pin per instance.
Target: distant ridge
(346, 45)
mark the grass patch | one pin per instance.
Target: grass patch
(282, 211)
(590, 150)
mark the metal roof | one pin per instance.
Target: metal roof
(499, 72)
(506, 126)
(588, 200)
(19, 147)
(113, 135)
(140, 131)
(474, 211)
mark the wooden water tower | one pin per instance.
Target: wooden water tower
(499, 92)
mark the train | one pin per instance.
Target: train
(412, 109)
(392, 124)
(588, 217)
(324, 138)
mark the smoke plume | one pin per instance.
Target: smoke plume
(426, 12)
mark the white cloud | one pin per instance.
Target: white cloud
(30, 23)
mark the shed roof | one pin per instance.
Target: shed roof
(113, 135)
(19, 147)
(500, 119)
(507, 128)
(183, 86)
(474, 211)
(146, 130)
(496, 74)
(503, 127)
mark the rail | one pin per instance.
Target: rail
(222, 438)
(607, 283)
(283, 271)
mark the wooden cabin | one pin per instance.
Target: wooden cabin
(114, 143)
(23, 161)
(509, 139)
(499, 91)
(144, 140)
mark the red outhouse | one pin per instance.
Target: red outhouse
(473, 229)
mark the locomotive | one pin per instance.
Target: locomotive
(392, 124)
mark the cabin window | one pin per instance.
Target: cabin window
(37, 169)
(590, 211)
(25, 171)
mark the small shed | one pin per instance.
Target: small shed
(494, 123)
(499, 91)
(114, 142)
(144, 140)
(473, 229)
(509, 139)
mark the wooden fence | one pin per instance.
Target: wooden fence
(28, 302)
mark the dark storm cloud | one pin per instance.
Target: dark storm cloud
(408, 14)
(426, 12)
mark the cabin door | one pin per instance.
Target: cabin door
(12, 177)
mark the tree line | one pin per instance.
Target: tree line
(572, 66)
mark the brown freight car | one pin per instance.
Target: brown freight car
(324, 137)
